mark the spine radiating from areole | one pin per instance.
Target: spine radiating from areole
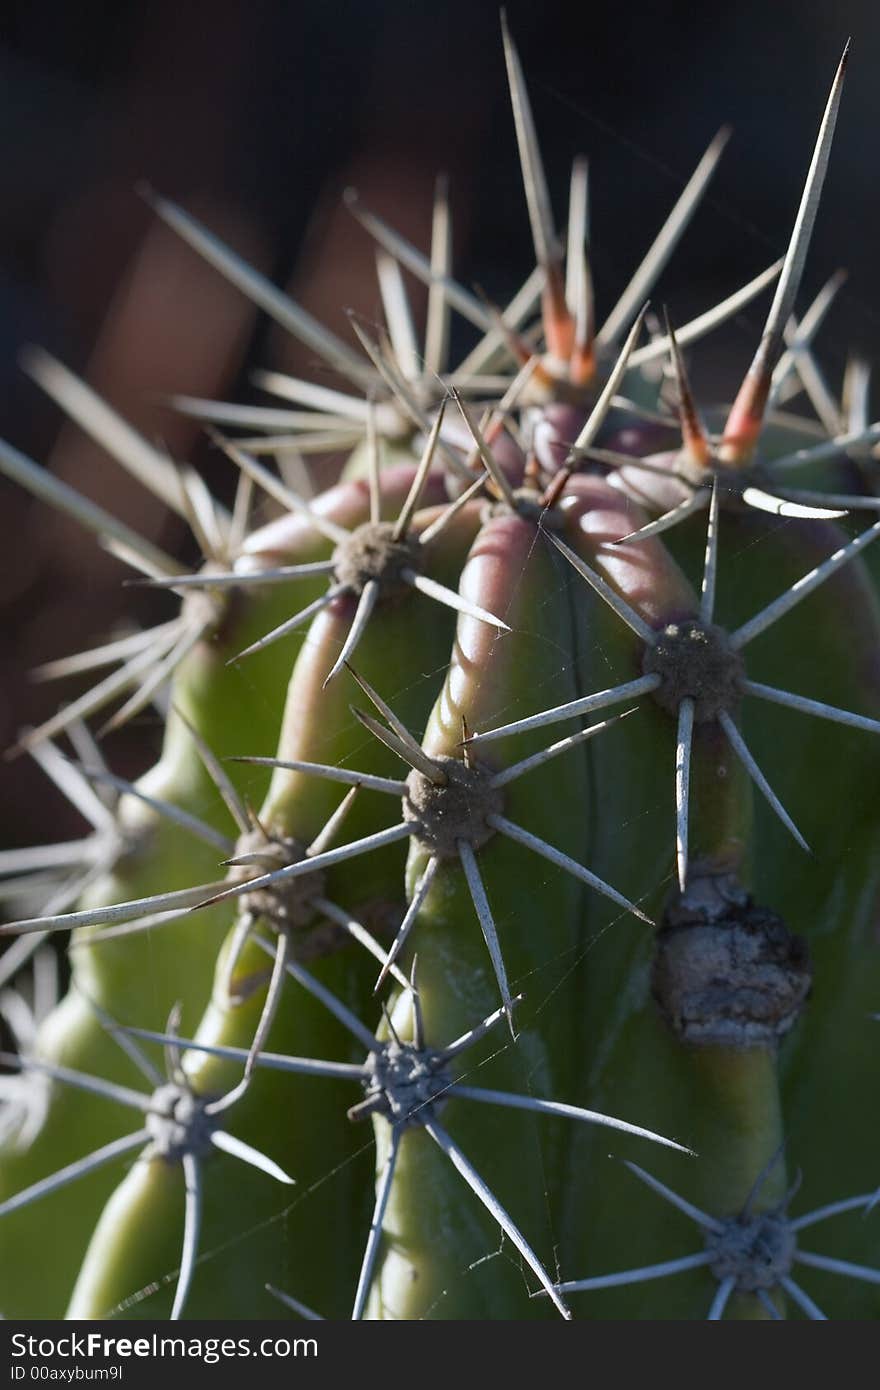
(497, 936)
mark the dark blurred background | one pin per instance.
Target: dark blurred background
(257, 114)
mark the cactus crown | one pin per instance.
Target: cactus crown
(526, 559)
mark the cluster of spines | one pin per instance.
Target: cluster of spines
(367, 567)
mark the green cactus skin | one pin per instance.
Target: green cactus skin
(301, 1233)
(738, 1024)
(431, 1219)
(729, 1103)
(226, 704)
(177, 960)
(317, 726)
(155, 1190)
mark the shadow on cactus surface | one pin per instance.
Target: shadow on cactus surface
(505, 1011)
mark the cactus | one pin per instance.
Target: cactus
(426, 1007)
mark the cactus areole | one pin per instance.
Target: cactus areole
(369, 882)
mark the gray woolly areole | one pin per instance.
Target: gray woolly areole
(738, 981)
(177, 1122)
(696, 661)
(406, 1084)
(457, 809)
(756, 1251)
(372, 552)
(288, 902)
